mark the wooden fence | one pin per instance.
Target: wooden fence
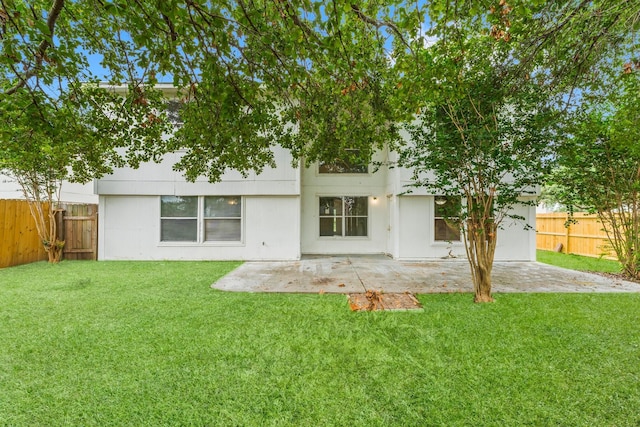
(20, 243)
(586, 237)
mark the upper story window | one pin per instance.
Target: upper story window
(342, 166)
(173, 112)
(446, 221)
(350, 164)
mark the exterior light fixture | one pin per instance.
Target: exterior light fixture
(440, 201)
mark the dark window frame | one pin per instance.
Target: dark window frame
(345, 223)
(446, 225)
(344, 165)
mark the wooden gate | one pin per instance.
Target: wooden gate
(78, 227)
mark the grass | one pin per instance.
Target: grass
(151, 344)
(580, 263)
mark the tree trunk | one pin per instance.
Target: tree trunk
(52, 244)
(482, 284)
(43, 197)
(54, 250)
(622, 228)
(480, 243)
(482, 277)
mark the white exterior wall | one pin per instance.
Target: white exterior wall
(129, 221)
(130, 229)
(280, 216)
(416, 238)
(70, 192)
(515, 243)
(370, 185)
(161, 179)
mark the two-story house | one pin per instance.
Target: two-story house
(281, 214)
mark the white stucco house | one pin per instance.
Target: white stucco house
(283, 213)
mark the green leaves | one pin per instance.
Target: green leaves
(250, 74)
(598, 162)
(483, 127)
(340, 73)
(598, 154)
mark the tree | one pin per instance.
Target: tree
(250, 75)
(304, 74)
(57, 125)
(599, 162)
(73, 139)
(483, 141)
(486, 90)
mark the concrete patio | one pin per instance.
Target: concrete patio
(357, 273)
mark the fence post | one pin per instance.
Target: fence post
(568, 235)
(60, 232)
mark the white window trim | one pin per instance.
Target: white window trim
(200, 219)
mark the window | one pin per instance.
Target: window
(342, 166)
(222, 218)
(200, 219)
(173, 110)
(347, 164)
(178, 219)
(344, 216)
(446, 223)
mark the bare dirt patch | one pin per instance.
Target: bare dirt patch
(377, 301)
(618, 276)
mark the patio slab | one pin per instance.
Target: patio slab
(357, 273)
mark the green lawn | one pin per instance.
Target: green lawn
(580, 263)
(151, 344)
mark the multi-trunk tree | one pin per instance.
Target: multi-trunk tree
(599, 162)
(487, 86)
(46, 142)
(481, 141)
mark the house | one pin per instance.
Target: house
(152, 213)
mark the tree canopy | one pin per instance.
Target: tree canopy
(489, 89)
(316, 77)
(308, 75)
(598, 162)
(305, 75)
